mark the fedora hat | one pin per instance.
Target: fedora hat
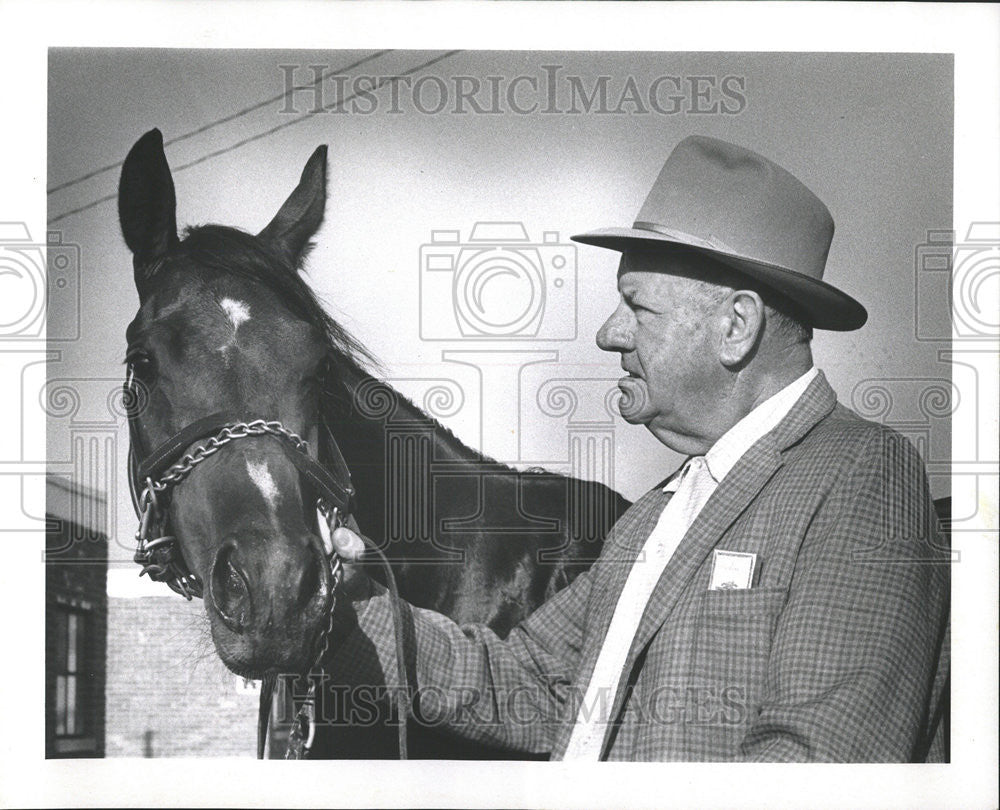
(751, 215)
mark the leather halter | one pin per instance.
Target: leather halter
(336, 486)
(168, 465)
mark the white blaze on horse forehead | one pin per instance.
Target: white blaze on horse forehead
(238, 312)
(261, 476)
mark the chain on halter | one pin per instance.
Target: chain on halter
(303, 731)
(332, 517)
(158, 555)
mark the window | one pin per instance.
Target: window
(70, 631)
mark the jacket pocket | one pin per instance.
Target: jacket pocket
(733, 635)
(740, 603)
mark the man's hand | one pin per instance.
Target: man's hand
(347, 541)
(349, 546)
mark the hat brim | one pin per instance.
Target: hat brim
(824, 305)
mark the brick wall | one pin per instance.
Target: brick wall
(168, 694)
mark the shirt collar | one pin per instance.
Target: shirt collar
(734, 443)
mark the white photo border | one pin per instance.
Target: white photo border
(970, 32)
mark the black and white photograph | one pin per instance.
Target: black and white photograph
(498, 409)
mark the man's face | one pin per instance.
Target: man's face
(665, 330)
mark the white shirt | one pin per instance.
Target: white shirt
(692, 486)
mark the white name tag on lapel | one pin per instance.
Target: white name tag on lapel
(731, 570)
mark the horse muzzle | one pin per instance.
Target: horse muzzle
(269, 600)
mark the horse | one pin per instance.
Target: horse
(230, 344)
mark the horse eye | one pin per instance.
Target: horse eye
(141, 364)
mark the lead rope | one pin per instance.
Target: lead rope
(397, 628)
(303, 733)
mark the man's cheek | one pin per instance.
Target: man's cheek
(635, 404)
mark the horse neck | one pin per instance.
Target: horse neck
(388, 444)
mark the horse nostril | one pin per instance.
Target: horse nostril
(230, 591)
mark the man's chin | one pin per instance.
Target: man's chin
(634, 402)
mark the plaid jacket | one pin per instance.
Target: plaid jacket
(838, 653)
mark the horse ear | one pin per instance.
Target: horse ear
(147, 206)
(301, 215)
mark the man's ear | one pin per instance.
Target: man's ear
(300, 216)
(147, 206)
(743, 327)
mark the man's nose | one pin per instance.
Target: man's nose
(616, 334)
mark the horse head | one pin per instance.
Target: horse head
(226, 326)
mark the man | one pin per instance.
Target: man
(783, 596)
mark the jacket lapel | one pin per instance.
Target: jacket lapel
(736, 492)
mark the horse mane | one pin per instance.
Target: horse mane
(231, 251)
(237, 253)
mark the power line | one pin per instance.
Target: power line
(377, 86)
(224, 120)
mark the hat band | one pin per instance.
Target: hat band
(711, 243)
